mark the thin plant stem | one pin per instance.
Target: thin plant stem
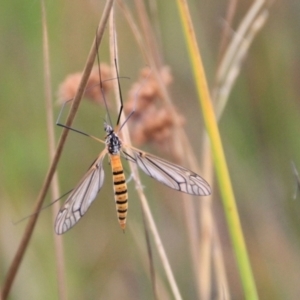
(58, 242)
(222, 91)
(14, 267)
(221, 94)
(181, 147)
(238, 39)
(230, 209)
(162, 291)
(139, 188)
(226, 32)
(208, 258)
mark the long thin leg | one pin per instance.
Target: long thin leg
(120, 93)
(134, 105)
(74, 129)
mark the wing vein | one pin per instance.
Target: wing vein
(174, 176)
(81, 197)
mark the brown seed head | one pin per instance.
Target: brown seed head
(151, 122)
(69, 86)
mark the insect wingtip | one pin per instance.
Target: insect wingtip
(209, 191)
(58, 232)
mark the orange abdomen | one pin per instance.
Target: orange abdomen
(120, 188)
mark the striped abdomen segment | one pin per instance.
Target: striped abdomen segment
(120, 188)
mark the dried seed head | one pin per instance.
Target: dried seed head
(146, 90)
(68, 88)
(151, 122)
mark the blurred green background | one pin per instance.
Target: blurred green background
(259, 129)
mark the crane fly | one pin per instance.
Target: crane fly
(82, 196)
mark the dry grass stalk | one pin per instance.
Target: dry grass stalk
(58, 243)
(142, 197)
(178, 144)
(14, 267)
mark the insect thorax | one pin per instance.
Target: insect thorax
(112, 141)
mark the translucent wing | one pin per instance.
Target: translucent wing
(174, 176)
(81, 197)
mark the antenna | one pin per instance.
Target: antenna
(101, 86)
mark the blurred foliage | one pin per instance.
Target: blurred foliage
(259, 129)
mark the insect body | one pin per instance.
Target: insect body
(82, 196)
(80, 199)
(120, 188)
